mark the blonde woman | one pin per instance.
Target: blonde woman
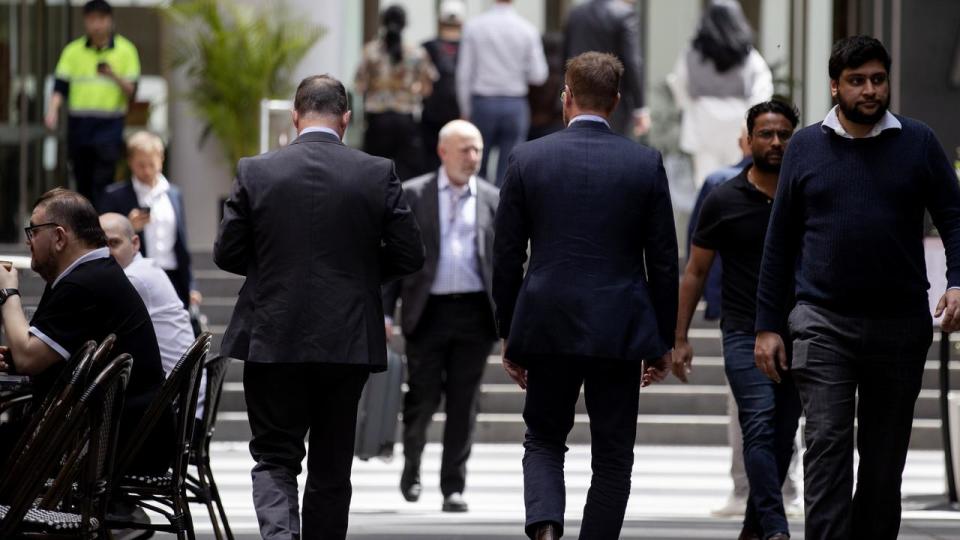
(155, 208)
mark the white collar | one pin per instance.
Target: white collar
(589, 118)
(141, 188)
(443, 181)
(99, 253)
(319, 129)
(832, 122)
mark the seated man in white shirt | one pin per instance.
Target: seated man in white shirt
(171, 322)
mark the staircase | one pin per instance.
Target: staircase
(670, 412)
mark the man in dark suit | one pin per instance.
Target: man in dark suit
(612, 26)
(316, 227)
(447, 308)
(598, 305)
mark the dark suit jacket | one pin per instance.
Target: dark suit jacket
(121, 198)
(316, 227)
(610, 26)
(414, 290)
(602, 279)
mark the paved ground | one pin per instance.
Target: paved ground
(674, 489)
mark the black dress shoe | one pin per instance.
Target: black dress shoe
(780, 536)
(411, 492)
(410, 482)
(547, 531)
(748, 534)
(454, 503)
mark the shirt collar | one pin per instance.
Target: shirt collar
(142, 189)
(110, 44)
(589, 118)
(99, 253)
(832, 123)
(443, 182)
(319, 129)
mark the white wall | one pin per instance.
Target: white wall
(816, 81)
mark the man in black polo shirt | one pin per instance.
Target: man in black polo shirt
(733, 223)
(87, 297)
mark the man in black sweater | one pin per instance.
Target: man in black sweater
(846, 235)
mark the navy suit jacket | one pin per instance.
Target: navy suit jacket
(121, 198)
(602, 278)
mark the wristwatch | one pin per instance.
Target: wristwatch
(7, 293)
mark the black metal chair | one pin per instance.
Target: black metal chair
(202, 486)
(66, 387)
(89, 419)
(165, 494)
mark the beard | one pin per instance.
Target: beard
(43, 264)
(764, 164)
(852, 112)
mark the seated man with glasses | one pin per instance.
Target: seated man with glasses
(87, 297)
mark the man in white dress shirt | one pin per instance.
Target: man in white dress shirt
(501, 53)
(171, 322)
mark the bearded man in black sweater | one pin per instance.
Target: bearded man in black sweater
(846, 235)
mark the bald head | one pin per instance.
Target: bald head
(122, 240)
(460, 148)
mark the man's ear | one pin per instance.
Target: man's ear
(295, 117)
(345, 120)
(136, 242)
(834, 88)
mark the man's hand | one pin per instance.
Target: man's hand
(949, 307)
(139, 219)
(5, 361)
(196, 298)
(682, 359)
(52, 119)
(768, 352)
(641, 122)
(655, 371)
(516, 372)
(8, 278)
(388, 328)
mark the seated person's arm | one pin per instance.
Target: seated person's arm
(28, 353)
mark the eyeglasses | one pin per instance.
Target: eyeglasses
(30, 229)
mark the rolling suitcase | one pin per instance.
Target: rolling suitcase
(378, 411)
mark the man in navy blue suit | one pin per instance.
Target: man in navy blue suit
(598, 305)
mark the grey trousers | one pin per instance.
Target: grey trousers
(837, 359)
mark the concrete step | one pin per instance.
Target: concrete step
(651, 430)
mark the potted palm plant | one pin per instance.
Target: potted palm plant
(235, 56)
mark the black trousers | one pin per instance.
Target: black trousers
(94, 167)
(446, 355)
(611, 390)
(835, 360)
(284, 402)
(395, 136)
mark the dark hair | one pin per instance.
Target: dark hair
(97, 6)
(321, 94)
(73, 212)
(394, 19)
(724, 36)
(775, 106)
(594, 80)
(855, 51)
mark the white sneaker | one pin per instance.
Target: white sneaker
(735, 506)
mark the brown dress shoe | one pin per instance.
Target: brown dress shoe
(547, 531)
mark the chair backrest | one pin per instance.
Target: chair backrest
(65, 389)
(216, 371)
(67, 425)
(101, 356)
(180, 390)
